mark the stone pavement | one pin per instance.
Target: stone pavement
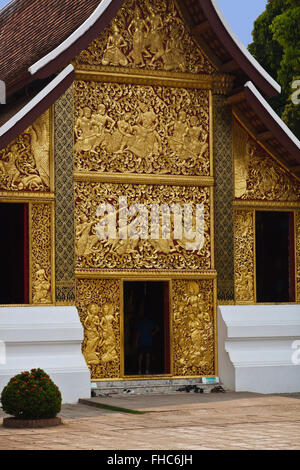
(172, 422)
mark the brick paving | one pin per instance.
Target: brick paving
(171, 422)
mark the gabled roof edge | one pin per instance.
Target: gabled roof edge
(36, 106)
(237, 50)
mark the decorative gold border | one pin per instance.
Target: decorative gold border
(129, 178)
(219, 83)
(266, 205)
(144, 275)
(11, 196)
(211, 133)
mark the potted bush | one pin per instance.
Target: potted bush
(33, 400)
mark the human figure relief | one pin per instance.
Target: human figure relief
(154, 39)
(9, 165)
(91, 330)
(178, 141)
(174, 55)
(41, 286)
(121, 137)
(146, 142)
(85, 240)
(137, 29)
(113, 54)
(85, 131)
(197, 147)
(108, 342)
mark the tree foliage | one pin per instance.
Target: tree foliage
(276, 46)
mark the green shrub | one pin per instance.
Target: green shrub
(31, 395)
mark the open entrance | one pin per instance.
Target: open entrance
(146, 328)
(275, 257)
(14, 254)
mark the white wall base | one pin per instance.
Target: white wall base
(49, 338)
(256, 348)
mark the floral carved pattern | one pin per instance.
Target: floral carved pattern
(94, 253)
(41, 253)
(98, 303)
(193, 328)
(244, 256)
(257, 175)
(148, 34)
(141, 129)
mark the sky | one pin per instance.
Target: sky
(240, 14)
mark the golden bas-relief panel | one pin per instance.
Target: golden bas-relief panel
(257, 175)
(141, 129)
(153, 245)
(25, 163)
(41, 254)
(98, 303)
(244, 255)
(298, 254)
(193, 328)
(147, 34)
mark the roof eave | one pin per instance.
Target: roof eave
(237, 50)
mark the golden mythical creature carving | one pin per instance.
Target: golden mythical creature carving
(41, 253)
(193, 328)
(150, 252)
(244, 256)
(257, 175)
(141, 129)
(98, 303)
(25, 164)
(147, 34)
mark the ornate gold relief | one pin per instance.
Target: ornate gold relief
(297, 214)
(193, 328)
(41, 272)
(98, 303)
(141, 129)
(141, 252)
(244, 256)
(257, 175)
(148, 34)
(25, 163)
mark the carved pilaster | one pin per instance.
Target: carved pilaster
(64, 206)
(223, 170)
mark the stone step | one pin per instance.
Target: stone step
(150, 386)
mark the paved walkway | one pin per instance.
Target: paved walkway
(172, 422)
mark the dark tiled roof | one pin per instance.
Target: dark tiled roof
(29, 29)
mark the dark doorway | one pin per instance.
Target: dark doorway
(274, 257)
(146, 328)
(14, 254)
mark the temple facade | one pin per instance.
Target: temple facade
(145, 181)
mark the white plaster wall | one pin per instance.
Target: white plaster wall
(256, 348)
(49, 338)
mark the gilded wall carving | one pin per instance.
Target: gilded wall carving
(257, 175)
(244, 255)
(25, 163)
(298, 255)
(147, 34)
(41, 253)
(193, 328)
(223, 170)
(141, 129)
(142, 252)
(64, 203)
(98, 303)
